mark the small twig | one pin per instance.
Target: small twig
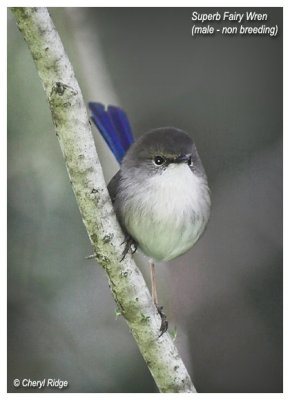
(91, 257)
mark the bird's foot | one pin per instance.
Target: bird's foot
(164, 322)
(131, 245)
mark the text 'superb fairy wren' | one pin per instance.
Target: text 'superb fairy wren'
(160, 194)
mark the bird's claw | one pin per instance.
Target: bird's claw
(164, 322)
(131, 244)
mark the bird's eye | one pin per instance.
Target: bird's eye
(189, 162)
(158, 160)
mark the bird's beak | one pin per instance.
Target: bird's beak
(183, 158)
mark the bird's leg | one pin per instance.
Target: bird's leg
(153, 282)
(131, 244)
(164, 322)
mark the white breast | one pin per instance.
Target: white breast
(168, 213)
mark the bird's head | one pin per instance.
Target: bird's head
(160, 150)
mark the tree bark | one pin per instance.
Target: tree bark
(74, 134)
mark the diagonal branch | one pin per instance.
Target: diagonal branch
(74, 134)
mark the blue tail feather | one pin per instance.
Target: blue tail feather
(114, 127)
(122, 125)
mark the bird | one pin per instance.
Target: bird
(160, 194)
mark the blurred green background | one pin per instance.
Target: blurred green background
(225, 295)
